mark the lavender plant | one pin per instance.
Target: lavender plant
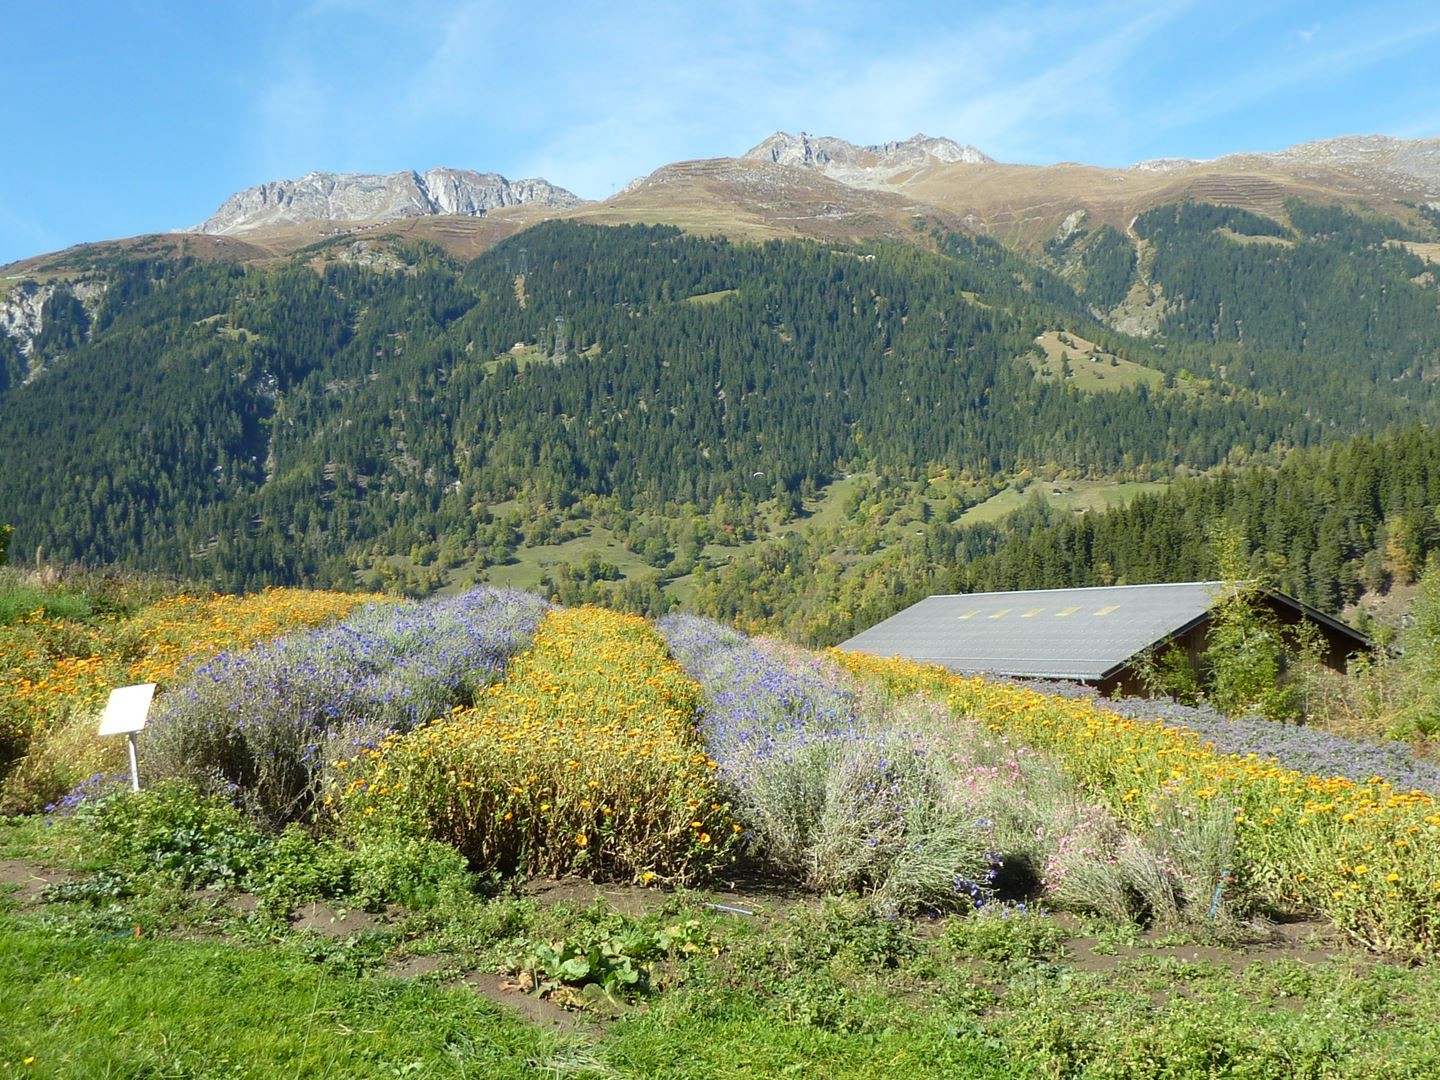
(851, 790)
(267, 720)
(842, 803)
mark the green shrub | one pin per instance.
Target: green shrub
(850, 933)
(295, 868)
(414, 871)
(19, 598)
(1005, 933)
(174, 832)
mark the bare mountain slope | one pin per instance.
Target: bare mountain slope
(748, 198)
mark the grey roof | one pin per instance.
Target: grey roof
(1082, 634)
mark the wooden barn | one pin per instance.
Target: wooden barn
(1091, 635)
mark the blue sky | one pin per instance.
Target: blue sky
(129, 116)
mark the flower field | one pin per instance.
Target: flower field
(268, 720)
(537, 740)
(54, 669)
(585, 758)
(1364, 854)
(847, 787)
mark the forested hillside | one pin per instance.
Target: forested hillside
(1318, 306)
(1325, 526)
(294, 422)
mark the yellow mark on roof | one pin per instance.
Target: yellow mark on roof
(1067, 611)
(1032, 613)
(1107, 610)
(1002, 611)
(969, 615)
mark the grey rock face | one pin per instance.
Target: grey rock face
(1409, 164)
(1073, 223)
(369, 196)
(22, 309)
(1171, 164)
(862, 166)
(20, 313)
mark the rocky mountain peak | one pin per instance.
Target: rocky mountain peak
(323, 196)
(862, 165)
(922, 149)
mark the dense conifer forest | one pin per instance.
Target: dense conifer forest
(1325, 526)
(291, 422)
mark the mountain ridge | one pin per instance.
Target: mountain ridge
(789, 185)
(848, 162)
(326, 196)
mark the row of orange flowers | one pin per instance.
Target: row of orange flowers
(1364, 854)
(50, 669)
(585, 758)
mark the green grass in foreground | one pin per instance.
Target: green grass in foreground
(100, 1006)
(771, 1004)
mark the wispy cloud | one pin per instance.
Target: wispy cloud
(23, 232)
(609, 93)
(666, 98)
(1232, 92)
(590, 96)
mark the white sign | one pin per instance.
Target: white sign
(127, 708)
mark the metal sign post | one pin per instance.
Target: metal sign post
(125, 714)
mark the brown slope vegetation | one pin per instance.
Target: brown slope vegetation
(760, 200)
(744, 200)
(753, 198)
(151, 245)
(1024, 205)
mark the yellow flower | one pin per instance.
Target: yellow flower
(581, 840)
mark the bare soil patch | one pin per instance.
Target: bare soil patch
(632, 900)
(1303, 941)
(537, 1010)
(413, 967)
(328, 921)
(30, 879)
